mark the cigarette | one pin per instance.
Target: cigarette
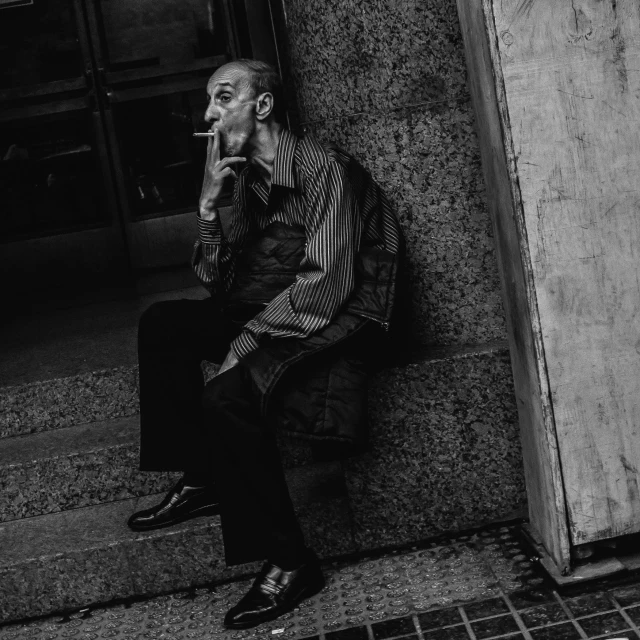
(208, 134)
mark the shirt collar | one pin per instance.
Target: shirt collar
(283, 162)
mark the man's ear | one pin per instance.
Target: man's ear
(264, 105)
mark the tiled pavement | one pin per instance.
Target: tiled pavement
(472, 587)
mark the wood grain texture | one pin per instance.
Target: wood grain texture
(572, 86)
(541, 461)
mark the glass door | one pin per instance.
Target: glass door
(99, 171)
(58, 212)
(154, 58)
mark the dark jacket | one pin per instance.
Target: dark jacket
(314, 387)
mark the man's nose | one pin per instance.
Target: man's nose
(211, 114)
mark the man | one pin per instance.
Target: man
(302, 287)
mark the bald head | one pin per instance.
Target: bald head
(255, 78)
(243, 108)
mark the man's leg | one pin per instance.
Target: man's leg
(173, 338)
(258, 519)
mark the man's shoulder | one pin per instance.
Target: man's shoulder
(312, 155)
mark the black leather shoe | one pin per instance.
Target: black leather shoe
(180, 504)
(275, 592)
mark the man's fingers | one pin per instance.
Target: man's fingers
(228, 171)
(215, 150)
(225, 162)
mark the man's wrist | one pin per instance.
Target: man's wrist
(208, 213)
(209, 231)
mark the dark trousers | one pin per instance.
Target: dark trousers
(216, 429)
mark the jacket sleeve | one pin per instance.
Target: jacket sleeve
(326, 277)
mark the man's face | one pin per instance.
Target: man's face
(231, 109)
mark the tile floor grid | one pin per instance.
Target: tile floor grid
(625, 615)
(570, 616)
(416, 624)
(467, 623)
(514, 612)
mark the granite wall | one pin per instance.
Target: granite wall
(386, 80)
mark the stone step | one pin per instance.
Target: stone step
(64, 561)
(444, 449)
(444, 455)
(73, 467)
(83, 398)
(91, 464)
(63, 366)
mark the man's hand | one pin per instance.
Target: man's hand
(229, 362)
(215, 172)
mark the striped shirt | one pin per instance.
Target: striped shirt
(314, 187)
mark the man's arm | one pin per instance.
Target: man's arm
(326, 278)
(212, 254)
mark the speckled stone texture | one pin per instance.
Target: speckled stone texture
(88, 555)
(427, 161)
(373, 55)
(72, 481)
(445, 451)
(74, 467)
(386, 81)
(91, 464)
(63, 402)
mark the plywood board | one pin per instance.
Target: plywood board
(572, 87)
(539, 444)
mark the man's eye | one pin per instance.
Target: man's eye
(225, 97)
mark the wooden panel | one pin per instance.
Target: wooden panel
(572, 80)
(542, 468)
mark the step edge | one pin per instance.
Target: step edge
(420, 353)
(53, 444)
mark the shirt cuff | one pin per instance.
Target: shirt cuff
(244, 344)
(209, 231)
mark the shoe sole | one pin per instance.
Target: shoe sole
(307, 593)
(208, 510)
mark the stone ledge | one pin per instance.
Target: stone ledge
(105, 395)
(444, 450)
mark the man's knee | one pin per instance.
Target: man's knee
(229, 393)
(163, 322)
(153, 318)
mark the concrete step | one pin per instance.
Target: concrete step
(87, 465)
(83, 398)
(67, 560)
(63, 366)
(444, 455)
(444, 446)
(74, 467)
